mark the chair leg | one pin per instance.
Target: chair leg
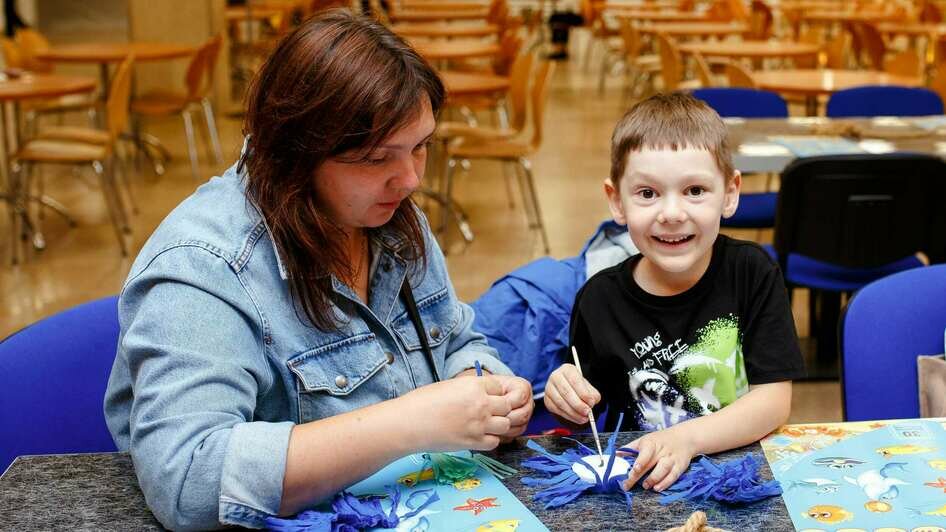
(191, 143)
(527, 168)
(212, 129)
(589, 49)
(447, 193)
(108, 194)
(121, 167)
(507, 177)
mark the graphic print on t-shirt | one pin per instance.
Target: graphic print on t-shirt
(703, 377)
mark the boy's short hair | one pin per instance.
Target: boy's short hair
(672, 121)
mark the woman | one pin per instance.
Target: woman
(267, 356)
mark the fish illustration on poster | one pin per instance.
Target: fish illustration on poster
(481, 503)
(890, 478)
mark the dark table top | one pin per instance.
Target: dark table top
(100, 492)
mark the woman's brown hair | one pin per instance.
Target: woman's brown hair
(338, 83)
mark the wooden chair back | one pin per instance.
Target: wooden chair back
(540, 92)
(509, 46)
(703, 71)
(200, 73)
(906, 63)
(32, 42)
(12, 57)
(631, 38)
(760, 20)
(519, 90)
(739, 76)
(930, 13)
(835, 51)
(119, 94)
(873, 44)
(671, 65)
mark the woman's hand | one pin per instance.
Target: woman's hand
(461, 413)
(518, 392)
(665, 453)
(569, 396)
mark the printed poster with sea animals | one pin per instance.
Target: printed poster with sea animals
(478, 504)
(891, 478)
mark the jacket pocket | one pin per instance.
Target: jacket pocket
(440, 317)
(340, 377)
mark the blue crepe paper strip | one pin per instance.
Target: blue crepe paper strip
(562, 484)
(734, 481)
(351, 513)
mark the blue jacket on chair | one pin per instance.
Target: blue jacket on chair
(525, 314)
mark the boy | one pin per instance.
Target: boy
(692, 338)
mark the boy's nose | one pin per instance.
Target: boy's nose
(671, 212)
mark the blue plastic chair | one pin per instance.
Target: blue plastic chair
(884, 100)
(756, 210)
(740, 102)
(53, 376)
(883, 329)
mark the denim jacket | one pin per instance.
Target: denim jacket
(215, 364)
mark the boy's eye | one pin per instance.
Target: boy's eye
(696, 191)
(647, 193)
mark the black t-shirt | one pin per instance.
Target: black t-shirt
(664, 359)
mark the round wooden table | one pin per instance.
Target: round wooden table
(114, 52)
(472, 84)
(639, 15)
(444, 29)
(829, 17)
(696, 29)
(26, 87)
(455, 49)
(431, 16)
(751, 49)
(31, 85)
(812, 83)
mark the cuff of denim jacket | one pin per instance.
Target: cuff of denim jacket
(253, 470)
(464, 360)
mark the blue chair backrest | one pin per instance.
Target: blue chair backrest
(53, 376)
(743, 103)
(884, 100)
(883, 329)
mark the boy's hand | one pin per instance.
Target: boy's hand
(569, 395)
(665, 453)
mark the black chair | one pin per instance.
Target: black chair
(843, 221)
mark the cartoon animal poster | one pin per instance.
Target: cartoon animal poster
(479, 504)
(891, 478)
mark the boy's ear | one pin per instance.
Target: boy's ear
(731, 200)
(614, 202)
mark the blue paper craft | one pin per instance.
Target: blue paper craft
(892, 477)
(481, 503)
(562, 484)
(733, 481)
(809, 146)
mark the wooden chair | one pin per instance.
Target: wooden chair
(907, 63)
(938, 81)
(100, 155)
(872, 43)
(638, 67)
(760, 21)
(198, 80)
(704, 72)
(930, 12)
(739, 76)
(671, 71)
(515, 150)
(836, 51)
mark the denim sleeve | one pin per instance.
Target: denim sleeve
(192, 342)
(465, 345)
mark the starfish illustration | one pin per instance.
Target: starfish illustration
(940, 483)
(478, 505)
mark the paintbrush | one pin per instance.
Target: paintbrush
(591, 414)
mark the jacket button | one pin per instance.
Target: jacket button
(386, 266)
(435, 332)
(390, 356)
(341, 381)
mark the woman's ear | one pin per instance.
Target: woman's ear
(615, 203)
(731, 200)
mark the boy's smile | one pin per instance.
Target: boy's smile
(672, 203)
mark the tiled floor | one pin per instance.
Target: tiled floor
(83, 263)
